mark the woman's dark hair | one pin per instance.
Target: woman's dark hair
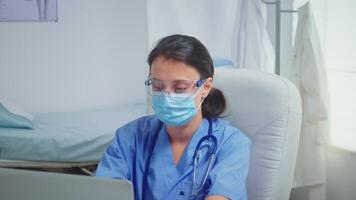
(192, 52)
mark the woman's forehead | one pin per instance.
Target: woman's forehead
(169, 69)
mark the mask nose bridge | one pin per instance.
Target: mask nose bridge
(167, 92)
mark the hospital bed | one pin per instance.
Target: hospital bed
(66, 139)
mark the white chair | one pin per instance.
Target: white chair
(267, 108)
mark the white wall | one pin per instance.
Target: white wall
(93, 57)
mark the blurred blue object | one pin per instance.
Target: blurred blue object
(219, 62)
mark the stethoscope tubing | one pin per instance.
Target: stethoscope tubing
(210, 137)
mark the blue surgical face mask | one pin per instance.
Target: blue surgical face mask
(175, 109)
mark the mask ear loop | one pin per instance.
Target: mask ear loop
(201, 102)
(200, 84)
(201, 98)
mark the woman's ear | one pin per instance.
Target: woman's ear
(207, 87)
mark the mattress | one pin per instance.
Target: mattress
(80, 136)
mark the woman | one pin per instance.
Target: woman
(183, 151)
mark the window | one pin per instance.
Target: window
(340, 57)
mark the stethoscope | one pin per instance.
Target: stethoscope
(210, 138)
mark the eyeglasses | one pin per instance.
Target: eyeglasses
(177, 86)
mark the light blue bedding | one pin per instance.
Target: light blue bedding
(80, 136)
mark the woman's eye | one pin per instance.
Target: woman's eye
(156, 88)
(180, 90)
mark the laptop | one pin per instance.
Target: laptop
(33, 185)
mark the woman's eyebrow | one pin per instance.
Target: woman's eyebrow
(155, 78)
(181, 80)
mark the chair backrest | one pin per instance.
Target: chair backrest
(267, 108)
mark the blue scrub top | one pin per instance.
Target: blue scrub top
(125, 159)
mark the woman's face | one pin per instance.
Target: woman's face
(177, 77)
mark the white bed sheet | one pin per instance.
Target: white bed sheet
(80, 136)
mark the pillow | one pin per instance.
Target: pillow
(11, 116)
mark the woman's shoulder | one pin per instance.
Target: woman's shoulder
(138, 128)
(142, 122)
(227, 132)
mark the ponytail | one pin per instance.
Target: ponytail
(214, 104)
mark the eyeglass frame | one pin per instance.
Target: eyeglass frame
(198, 83)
